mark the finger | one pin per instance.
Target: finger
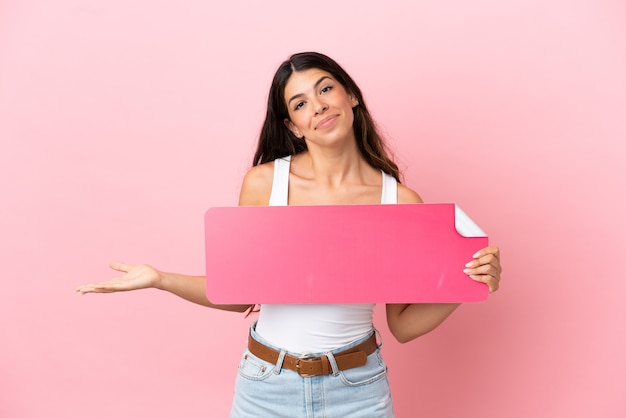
(83, 289)
(492, 282)
(495, 251)
(486, 260)
(90, 289)
(114, 285)
(481, 270)
(116, 265)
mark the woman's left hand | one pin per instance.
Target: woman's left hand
(485, 267)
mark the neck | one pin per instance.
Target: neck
(334, 165)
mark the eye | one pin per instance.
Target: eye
(298, 105)
(326, 89)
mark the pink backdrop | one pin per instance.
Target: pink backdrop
(122, 122)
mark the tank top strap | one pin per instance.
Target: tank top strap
(390, 190)
(280, 184)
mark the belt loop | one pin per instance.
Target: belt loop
(333, 363)
(379, 338)
(279, 362)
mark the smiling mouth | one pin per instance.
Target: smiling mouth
(326, 122)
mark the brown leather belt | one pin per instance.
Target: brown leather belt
(316, 366)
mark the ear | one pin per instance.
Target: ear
(294, 130)
(353, 100)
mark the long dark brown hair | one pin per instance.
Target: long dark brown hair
(276, 140)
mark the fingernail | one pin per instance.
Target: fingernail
(476, 255)
(469, 264)
(466, 270)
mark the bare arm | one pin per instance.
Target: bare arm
(143, 276)
(254, 191)
(409, 321)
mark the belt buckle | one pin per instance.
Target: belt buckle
(299, 368)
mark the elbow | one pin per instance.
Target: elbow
(404, 336)
(408, 322)
(403, 339)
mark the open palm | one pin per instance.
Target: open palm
(136, 276)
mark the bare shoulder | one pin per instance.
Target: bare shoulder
(257, 185)
(406, 195)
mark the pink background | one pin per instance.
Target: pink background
(122, 122)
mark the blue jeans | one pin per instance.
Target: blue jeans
(266, 390)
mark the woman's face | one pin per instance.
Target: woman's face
(320, 108)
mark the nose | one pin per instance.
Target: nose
(320, 108)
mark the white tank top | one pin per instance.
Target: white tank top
(315, 328)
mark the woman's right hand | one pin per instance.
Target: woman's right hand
(137, 276)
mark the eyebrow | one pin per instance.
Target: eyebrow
(317, 83)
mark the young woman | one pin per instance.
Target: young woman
(318, 145)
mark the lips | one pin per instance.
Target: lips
(326, 122)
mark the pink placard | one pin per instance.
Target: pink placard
(341, 254)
